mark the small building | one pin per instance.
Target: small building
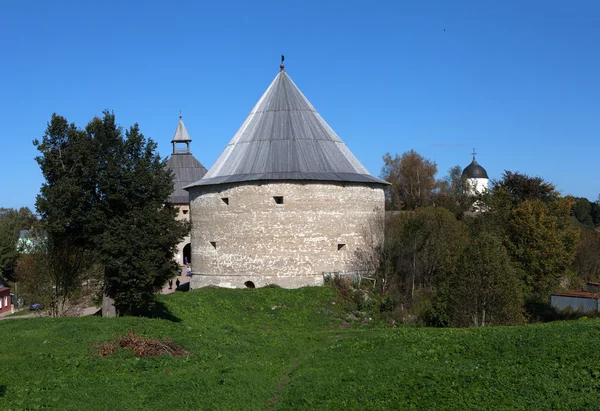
(285, 201)
(5, 303)
(576, 300)
(186, 170)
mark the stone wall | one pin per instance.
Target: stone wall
(282, 233)
(477, 186)
(183, 214)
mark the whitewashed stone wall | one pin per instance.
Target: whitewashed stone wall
(477, 185)
(252, 238)
(183, 214)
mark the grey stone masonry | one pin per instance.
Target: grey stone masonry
(282, 232)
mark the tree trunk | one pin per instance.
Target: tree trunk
(108, 307)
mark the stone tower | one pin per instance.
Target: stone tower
(186, 170)
(476, 176)
(285, 201)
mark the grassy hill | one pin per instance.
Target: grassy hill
(284, 349)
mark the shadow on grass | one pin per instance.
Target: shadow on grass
(2, 390)
(183, 287)
(159, 310)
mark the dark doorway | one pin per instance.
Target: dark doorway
(187, 253)
(249, 284)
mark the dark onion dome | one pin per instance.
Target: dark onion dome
(474, 170)
(183, 165)
(285, 138)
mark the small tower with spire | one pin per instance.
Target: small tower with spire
(186, 170)
(476, 176)
(181, 137)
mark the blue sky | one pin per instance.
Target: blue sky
(519, 81)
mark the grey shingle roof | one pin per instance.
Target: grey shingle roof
(187, 170)
(284, 138)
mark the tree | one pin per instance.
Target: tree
(582, 211)
(105, 195)
(139, 240)
(422, 247)
(516, 187)
(11, 223)
(484, 289)
(451, 192)
(533, 219)
(595, 212)
(412, 180)
(587, 259)
(57, 277)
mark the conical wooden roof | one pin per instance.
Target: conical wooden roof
(181, 134)
(285, 138)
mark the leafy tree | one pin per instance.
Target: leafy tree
(451, 192)
(533, 219)
(11, 223)
(412, 179)
(58, 277)
(582, 211)
(141, 233)
(422, 246)
(516, 188)
(587, 260)
(105, 194)
(595, 212)
(484, 289)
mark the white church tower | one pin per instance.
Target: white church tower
(476, 176)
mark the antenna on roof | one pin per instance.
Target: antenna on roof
(281, 66)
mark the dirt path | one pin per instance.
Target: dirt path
(182, 280)
(282, 383)
(7, 316)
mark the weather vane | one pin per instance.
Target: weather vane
(281, 66)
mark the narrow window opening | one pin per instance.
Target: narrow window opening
(185, 211)
(249, 284)
(214, 244)
(341, 246)
(278, 199)
(225, 200)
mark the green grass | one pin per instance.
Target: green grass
(250, 356)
